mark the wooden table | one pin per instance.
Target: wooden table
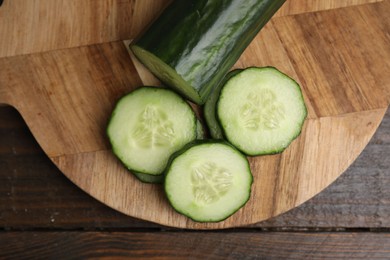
(44, 215)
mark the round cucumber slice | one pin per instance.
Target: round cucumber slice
(208, 181)
(261, 110)
(147, 126)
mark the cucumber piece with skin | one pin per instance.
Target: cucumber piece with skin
(147, 126)
(194, 43)
(208, 181)
(200, 134)
(261, 110)
(209, 108)
(150, 178)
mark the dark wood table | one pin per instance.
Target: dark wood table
(44, 215)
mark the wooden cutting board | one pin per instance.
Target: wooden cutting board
(63, 65)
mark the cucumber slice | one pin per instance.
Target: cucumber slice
(200, 134)
(208, 181)
(149, 178)
(213, 125)
(261, 110)
(147, 126)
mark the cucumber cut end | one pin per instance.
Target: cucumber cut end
(166, 74)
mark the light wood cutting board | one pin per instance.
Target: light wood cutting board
(63, 65)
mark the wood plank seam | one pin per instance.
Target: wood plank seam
(379, 110)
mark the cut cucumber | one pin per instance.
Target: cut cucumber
(208, 181)
(149, 178)
(194, 43)
(261, 110)
(200, 134)
(209, 108)
(147, 126)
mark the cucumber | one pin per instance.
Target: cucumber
(261, 110)
(147, 126)
(149, 178)
(194, 43)
(208, 181)
(212, 123)
(200, 134)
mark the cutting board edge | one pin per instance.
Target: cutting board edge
(188, 224)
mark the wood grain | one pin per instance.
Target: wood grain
(34, 194)
(42, 25)
(340, 43)
(292, 7)
(359, 198)
(66, 96)
(195, 245)
(84, 81)
(339, 92)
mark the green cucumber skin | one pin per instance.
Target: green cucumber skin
(292, 139)
(205, 142)
(149, 178)
(200, 134)
(202, 39)
(209, 109)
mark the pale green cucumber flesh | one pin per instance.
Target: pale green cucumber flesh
(147, 126)
(208, 181)
(150, 178)
(261, 110)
